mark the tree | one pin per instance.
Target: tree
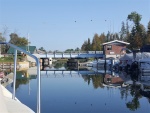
(137, 37)
(148, 34)
(123, 32)
(96, 43)
(127, 32)
(2, 39)
(69, 50)
(2, 47)
(89, 45)
(84, 46)
(135, 17)
(42, 49)
(18, 41)
(131, 39)
(108, 37)
(102, 40)
(77, 49)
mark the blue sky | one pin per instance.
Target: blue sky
(51, 23)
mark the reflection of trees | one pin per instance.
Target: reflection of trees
(134, 103)
(124, 92)
(22, 78)
(58, 65)
(134, 91)
(20, 81)
(97, 80)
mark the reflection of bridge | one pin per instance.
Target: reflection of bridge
(81, 54)
(64, 72)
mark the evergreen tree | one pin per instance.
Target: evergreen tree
(127, 32)
(96, 43)
(123, 32)
(137, 37)
(102, 40)
(84, 46)
(108, 37)
(148, 34)
(89, 45)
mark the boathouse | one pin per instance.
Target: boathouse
(113, 48)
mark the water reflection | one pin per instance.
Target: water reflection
(131, 90)
(96, 80)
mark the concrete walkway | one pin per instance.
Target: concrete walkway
(8, 105)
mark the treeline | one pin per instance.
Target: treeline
(137, 35)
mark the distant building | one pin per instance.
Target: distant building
(113, 48)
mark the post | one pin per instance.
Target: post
(104, 57)
(62, 54)
(38, 86)
(14, 77)
(46, 54)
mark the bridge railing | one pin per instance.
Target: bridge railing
(75, 52)
(38, 73)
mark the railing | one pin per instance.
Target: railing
(73, 54)
(38, 73)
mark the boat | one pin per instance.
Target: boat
(134, 60)
(144, 66)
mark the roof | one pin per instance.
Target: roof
(31, 49)
(116, 42)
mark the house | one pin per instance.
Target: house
(31, 49)
(113, 48)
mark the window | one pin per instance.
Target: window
(109, 47)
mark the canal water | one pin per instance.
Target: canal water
(82, 91)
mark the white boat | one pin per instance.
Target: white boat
(142, 61)
(144, 66)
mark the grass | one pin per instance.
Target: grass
(10, 59)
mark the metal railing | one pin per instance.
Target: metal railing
(38, 73)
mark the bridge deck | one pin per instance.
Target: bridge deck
(89, 54)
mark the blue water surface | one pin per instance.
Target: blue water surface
(65, 93)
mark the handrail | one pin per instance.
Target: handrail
(38, 73)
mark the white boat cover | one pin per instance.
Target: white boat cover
(139, 56)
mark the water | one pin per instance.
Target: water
(80, 93)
